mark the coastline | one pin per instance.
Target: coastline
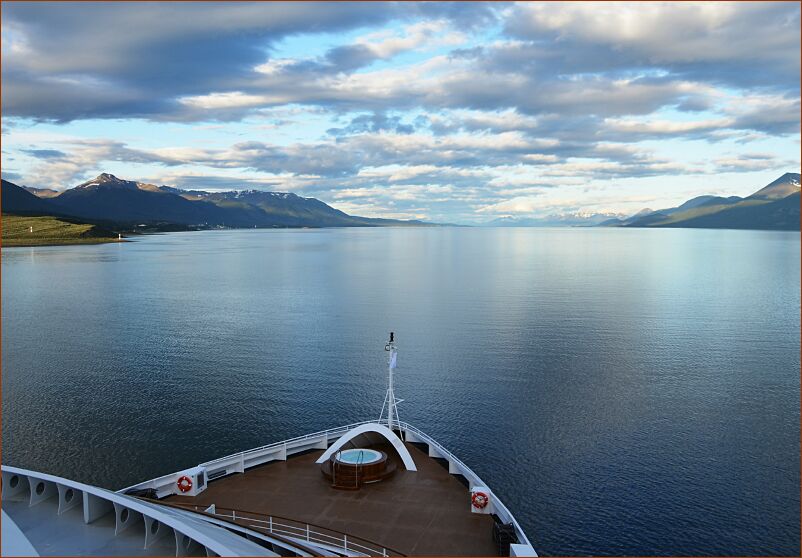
(21, 231)
(21, 243)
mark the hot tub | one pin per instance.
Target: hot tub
(359, 456)
(353, 467)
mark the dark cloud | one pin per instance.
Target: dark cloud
(754, 44)
(350, 57)
(134, 59)
(373, 123)
(45, 153)
(565, 60)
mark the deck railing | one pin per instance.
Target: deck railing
(501, 510)
(239, 462)
(298, 530)
(291, 441)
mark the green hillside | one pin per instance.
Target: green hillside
(49, 230)
(773, 207)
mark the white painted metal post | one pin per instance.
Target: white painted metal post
(390, 393)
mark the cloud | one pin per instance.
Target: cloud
(422, 35)
(44, 153)
(11, 176)
(436, 108)
(375, 158)
(81, 159)
(204, 62)
(741, 44)
(375, 122)
(232, 99)
(125, 59)
(749, 162)
(187, 180)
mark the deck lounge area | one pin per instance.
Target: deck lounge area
(424, 512)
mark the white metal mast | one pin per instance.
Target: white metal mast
(390, 401)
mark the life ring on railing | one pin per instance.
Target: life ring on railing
(184, 483)
(479, 500)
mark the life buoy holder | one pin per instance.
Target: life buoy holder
(479, 500)
(184, 483)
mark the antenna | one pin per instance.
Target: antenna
(390, 401)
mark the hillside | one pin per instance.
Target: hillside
(128, 204)
(773, 207)
(781, 188)
(109, 199)
(21, 230)
(779, 214)
(15, 199)
(277, 208)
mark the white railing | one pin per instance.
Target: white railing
(269, 448)
(299, 531)
(472, 477)
(153, 522)
(240, 461)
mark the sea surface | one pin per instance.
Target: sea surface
(624, 391)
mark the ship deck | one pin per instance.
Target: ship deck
(426, 512)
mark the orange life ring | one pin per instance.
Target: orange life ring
(184, 483)
(479, 500)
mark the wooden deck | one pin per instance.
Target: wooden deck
(423, 513)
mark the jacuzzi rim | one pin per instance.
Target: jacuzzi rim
(375, 456)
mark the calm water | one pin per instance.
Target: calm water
(624, 391)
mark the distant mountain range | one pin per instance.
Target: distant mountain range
(774, 207)
(125, 203)
(561, 220)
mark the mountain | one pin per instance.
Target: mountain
(107, 199)
(642, 213)
(619, 222)
(281, 208)
(16, 199)
(777, 214)
(110, 199)
(578, 219)
(781, 188)
(42, 192)
(774, 207)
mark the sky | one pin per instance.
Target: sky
(450, 112)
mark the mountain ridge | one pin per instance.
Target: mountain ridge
(109, 199)
(774, 207)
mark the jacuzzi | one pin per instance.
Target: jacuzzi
(359, 456)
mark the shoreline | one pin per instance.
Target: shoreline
(12, 243)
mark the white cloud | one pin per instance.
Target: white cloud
(425, 35)
(231, 99)
(670, 31)
(537, 112)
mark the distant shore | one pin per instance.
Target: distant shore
(49, 231)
